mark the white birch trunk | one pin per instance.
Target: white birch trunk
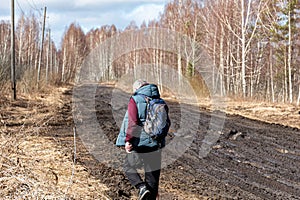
(222, 62)
(298, 99)
(243, 41)
(271, 74)
(290, 59)
(63, 66)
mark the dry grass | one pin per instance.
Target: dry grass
(278, 113)
(34, 166)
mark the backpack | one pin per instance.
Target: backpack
(157, 121)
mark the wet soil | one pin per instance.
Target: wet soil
(251, 159)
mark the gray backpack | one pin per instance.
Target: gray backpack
(157, 121)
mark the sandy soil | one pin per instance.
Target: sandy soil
(42, 157)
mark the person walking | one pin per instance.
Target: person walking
(143, 150)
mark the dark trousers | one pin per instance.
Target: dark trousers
(150, 160)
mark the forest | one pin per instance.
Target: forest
(58, 134)
(254, 45)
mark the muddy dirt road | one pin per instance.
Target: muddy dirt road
(250, 160)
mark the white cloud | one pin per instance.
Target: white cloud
(98, 2)
(5, 5)
(145, 13)
(5, 18)
(87, 13)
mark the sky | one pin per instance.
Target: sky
(88, 14)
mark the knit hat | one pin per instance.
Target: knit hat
(138, 84)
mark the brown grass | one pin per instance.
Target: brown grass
(278, 113)
(34, 166)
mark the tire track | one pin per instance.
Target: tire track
(250, 160)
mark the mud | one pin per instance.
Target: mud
(250, 160)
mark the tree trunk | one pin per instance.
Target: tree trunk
(179, 62)
(271, 74)
(48, 57)
(243, 40)
(290, 59)
(222, 61)
(298, 100)
(63, 66)
(285, 78)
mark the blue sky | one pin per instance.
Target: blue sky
(87, 13)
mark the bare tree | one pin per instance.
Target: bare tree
(74, 50)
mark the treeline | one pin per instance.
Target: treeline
(254, 44)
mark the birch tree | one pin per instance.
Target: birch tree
(284, 36)
(172, 19)
(74, 50)
(4, 53)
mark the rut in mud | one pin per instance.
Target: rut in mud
(250, 160)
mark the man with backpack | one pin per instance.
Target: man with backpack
(143, 131)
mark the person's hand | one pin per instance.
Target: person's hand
(128, 147)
